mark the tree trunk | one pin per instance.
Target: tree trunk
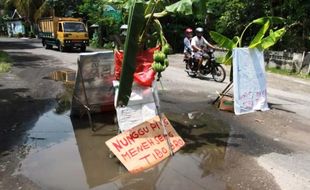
(100, 36)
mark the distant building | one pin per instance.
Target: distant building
(15, 25)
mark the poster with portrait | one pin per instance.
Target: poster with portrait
(96, 73)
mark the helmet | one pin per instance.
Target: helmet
(199, 30)
(188, 30)
(124, 27)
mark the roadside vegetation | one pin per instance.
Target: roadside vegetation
(5, 62)
(228, 18)
(287, 72)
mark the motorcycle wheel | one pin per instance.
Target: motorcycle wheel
(188, 69)
(191, 73)
(218, 73)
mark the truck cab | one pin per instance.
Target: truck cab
(65, 33)
(72, 34)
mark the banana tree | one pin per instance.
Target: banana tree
(262, 40)
(143, 22)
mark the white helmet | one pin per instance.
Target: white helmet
(124, 27)
(199, 30)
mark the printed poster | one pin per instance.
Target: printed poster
(97, 69)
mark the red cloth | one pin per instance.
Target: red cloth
(144, 74)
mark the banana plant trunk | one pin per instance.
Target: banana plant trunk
(135, 26)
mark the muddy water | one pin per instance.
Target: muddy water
(63, 153)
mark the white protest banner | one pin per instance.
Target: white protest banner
(250, 91)
(145, 145)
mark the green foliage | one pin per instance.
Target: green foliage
(5, 67)
(5, 62)
(109, 45)
(94, 42)
(138, 32)
(31, 35)
(230, 17)
(260, 40)
(222, 40)
(107, 15)
(272, 39)
(287, 73)
(182, 7)
(19, 35)
(259, 36)
(271, 20)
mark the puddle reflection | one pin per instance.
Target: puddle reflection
(190, 168)
(71, 156)
(65, 75)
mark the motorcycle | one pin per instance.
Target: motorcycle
(209, 65)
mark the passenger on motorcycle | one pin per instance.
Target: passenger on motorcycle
(198, 43)
(187, 43)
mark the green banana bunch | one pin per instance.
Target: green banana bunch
(161, 61)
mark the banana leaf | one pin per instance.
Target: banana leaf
(222, 40)
(150, 5)
(272, 19)
(181, 7)
(236, 39)
(135, 26)
(259, 36)
(228, 58)
(272, 38)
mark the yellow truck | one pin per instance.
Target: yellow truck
(63, 32)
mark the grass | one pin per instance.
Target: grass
(287, 73)
(5, 62)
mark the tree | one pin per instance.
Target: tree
(297, 11)
(32, 10)
(230, 17)
(103, 13)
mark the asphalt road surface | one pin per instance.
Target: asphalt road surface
(42, 148)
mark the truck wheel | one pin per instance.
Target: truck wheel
(61, 48)
(83, 48)
(47, 46)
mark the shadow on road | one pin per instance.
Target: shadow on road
(279, 107)
(25, 59)
(17, 45)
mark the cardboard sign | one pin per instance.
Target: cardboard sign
(97, 70)
(141, 106)
(145, 145)
(250, 91)
(226, 103)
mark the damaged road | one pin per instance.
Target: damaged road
(42, 148)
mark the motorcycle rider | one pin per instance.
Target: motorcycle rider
(187, 43)
(198, 43)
